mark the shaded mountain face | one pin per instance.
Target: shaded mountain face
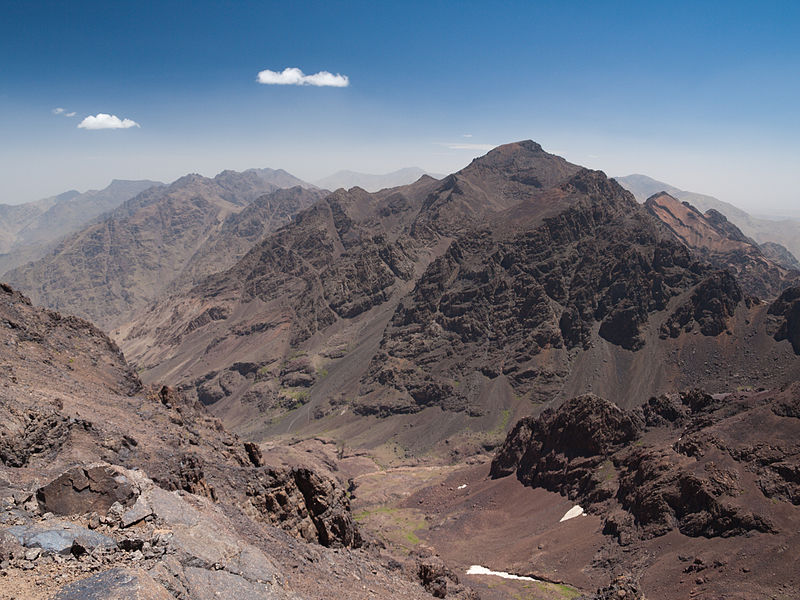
(780, 255)
(109, 489)
(446, 307)
(785, 232)
(371, 182)
(27, 230)
(125, 260)
(717, 240)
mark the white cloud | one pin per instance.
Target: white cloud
(70, 114)
(294, 76)
(58, 111)
(466, 135)
(463, 146)
(104, 121)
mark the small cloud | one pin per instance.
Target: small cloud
(294, 76)
(58, 111)
(70, 114)
(104, 121)
(466, 146)
(466, 135)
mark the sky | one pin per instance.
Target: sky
(702, 95)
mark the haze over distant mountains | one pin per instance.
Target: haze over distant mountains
(118, 263)
(27, 229)
(785, 232)
(372, 183)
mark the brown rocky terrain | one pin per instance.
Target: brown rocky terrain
(111, 490)
(680, 473)
(445, 309)
(117, 265)
(722, 244)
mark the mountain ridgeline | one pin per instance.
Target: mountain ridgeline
(116, 265)
(441, 309)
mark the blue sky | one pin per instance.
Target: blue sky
(703, 95)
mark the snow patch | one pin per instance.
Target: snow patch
(479, 570)
(462, 486)
(575, 511)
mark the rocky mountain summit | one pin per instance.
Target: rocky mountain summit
(519, 280)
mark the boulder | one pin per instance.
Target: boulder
(115, 584)
(84, 490)
(60, 537)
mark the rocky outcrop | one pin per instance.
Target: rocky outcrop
(709, 307)
(118, 583)
(786, 313)
(441, 582)
(563, 450)
(677, 463)
(623, 587)
(83, 490)
(715, 239)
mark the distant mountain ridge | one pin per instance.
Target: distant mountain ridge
(723, 245)
(27, 229)
(371, 182)
(118, 263)
(785, 232)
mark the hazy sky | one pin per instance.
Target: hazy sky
(703, 95)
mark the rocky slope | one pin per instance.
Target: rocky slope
(120, 263)
(112, 490)
(721, 468)
(28, 229)
(445, 308)
(721, 243)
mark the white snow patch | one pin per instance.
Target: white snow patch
(479, 570)
(575, 511)
(462, 486)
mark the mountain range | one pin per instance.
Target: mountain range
(515, 283)
(26, 230)
(520, 367)
(119, 263)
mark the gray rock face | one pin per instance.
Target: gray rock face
(115, 584)
(60, 537)
(212, 585)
